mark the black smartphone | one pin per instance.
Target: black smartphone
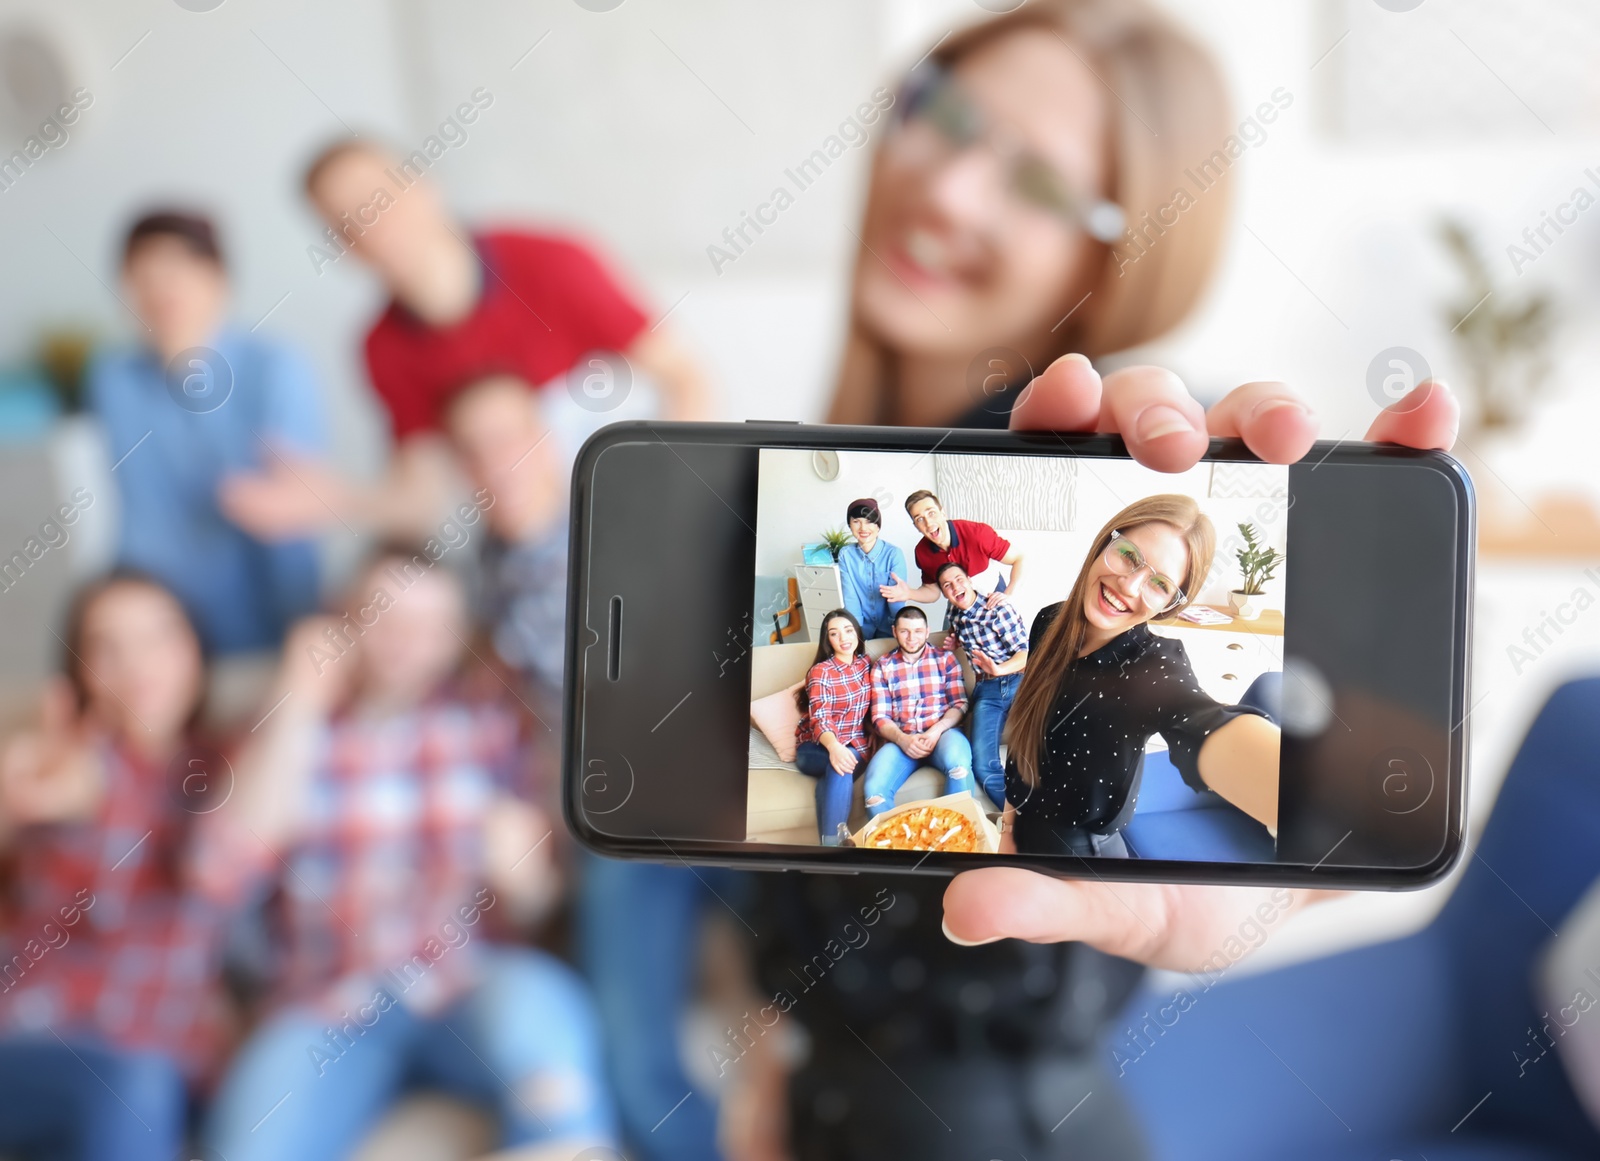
(850, 648)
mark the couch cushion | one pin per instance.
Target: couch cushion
(777, 717)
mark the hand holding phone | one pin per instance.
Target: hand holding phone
(1130, 622)
(1174, 926)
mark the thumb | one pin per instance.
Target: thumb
(1007, 902)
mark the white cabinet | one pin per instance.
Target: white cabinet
(1224, 662)
(821, 592)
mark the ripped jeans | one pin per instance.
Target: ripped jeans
(891, 766)
(524, 1044)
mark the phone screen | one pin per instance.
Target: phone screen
(852, 647)
(902, 599)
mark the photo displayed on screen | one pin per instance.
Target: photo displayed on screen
(995, 653)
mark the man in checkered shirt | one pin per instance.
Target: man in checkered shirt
(918, 697)
(996, 643)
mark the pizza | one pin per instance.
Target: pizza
(926, 828)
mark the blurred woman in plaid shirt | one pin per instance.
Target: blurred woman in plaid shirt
(111, 1004)
(388, 811)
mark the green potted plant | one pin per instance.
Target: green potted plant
(1259, 564)
(828, 546)
(1502, 337)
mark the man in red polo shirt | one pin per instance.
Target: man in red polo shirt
(970, 543)
(463, 307)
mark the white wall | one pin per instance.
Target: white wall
(604, 130)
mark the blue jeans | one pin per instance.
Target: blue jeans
(991, 703)
(833, 788)
(523, 1042)
(639, 933)
(82, 1101)
(891, 766)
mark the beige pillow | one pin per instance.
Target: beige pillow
(778, 717)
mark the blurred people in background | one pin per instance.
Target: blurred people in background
(110, 1000)
(463, 306)
(509, 455)
(1010, 168)
(195, 402)
(396, 819)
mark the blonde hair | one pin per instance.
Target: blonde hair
(1170, 111)
(1063, 640)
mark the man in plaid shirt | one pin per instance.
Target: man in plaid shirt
(917, 698)
(996, 643)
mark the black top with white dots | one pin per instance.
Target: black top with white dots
(1110, 702)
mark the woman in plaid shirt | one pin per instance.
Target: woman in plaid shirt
(110, 995)
(832, 735)
(387, 810)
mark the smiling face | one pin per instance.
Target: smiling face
(141, 665)
(411, 646)
(865, 532)
(497, 431)
(180, 295)
(388, 227)
(842, 637)
(911, 634)
(1114, 604)
(963, 263)
(957, 588)
(929, 520)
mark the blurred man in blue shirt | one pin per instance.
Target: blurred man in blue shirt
(196, 402)
(866, 566)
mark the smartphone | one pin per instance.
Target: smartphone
(846, 649)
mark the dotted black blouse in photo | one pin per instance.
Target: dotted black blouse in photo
(1109, 704)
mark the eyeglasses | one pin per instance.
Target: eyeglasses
(1159, 593)
(937, 120)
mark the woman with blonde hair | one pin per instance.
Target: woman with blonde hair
(1030, 211)
(1096, 668)
(1032, 199)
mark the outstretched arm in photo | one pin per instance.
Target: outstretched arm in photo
(1164, 925)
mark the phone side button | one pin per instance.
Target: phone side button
(795, 422)
(822, 870)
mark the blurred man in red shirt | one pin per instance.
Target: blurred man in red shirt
(463, 306)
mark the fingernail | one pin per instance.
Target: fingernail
(1155, 422)
(1080, 360)
(956, 939)
(1266, 406)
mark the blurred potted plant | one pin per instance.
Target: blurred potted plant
(1259, 564)
(1501, 338)
(828, 547)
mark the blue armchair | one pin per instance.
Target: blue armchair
(1413, 1048)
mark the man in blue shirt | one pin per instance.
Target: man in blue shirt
(866, 567)
(195, 403)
